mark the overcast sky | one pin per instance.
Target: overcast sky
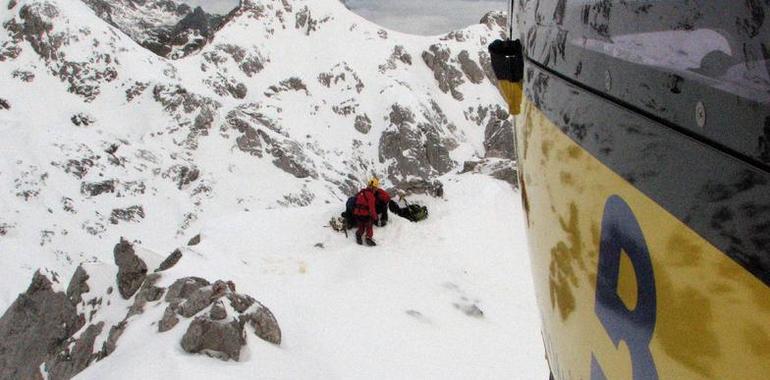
(427, 17)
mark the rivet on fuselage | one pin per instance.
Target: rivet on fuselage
(700, 114)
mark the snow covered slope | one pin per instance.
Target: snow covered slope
(292, 103)
(449, 298)
(169, 28)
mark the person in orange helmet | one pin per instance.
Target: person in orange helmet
(365, 212)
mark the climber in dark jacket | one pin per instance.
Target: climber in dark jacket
(365, 211)
(381, 203)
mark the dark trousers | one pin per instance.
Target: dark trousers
(364, 225)
(382, 211)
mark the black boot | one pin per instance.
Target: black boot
(358, 239)
(370, 242)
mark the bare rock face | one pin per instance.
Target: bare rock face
(495, 20)
(183, 287)
(148, 293)
(363, 124)
(78, 285)
(438, 59)
(69, 362)
(264, 323)
(196, 302)
(169, 319)
(470, 68)
(218, 311)
(417, 149)
(32, 327)
(220, 339)
(194, 241)
(498, 135)
(171, 260)
(502, 169)
(131, 269)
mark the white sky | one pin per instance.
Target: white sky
(427, 17)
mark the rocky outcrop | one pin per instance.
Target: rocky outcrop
(470, 68)
(502, 169)
(172, 259)
(362, 123)
(498, 135)
(78, 285)
(415, 149)
(131, 269)
(69, 362)
(263, 322)
(168, 28)
(438, 58)
(497, 21)
(33, 326)
(219, 339)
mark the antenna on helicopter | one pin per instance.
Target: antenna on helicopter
(510, 20)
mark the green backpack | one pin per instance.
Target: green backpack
(416, 213)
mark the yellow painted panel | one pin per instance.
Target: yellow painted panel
(712, 316)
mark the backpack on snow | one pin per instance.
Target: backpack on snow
(416, 212)
(412, 212)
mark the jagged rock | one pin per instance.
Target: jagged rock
(470, 68)
(197, 301)
(171, 260)
(168, 28)
(363, 124)
(495, 20)
(418, 151)
(68, 363)
(148, 293)
(33, 326)
(195, 240)
(218, 339)
(187, 175)
(436, 152)
(470, 310)
(498, 135)
(95, 188)
(419, 186)
(293, 84)
(438, 59)
(78, 285)
(183, 287)
(109, 346)
(502, 169)
(169, 319)
(399, 54)
(507, 174)
(131, 269)
(240, 302)
(128, 214)
(262, 320)
(218, 311)
(486, 64)
(82, 120)
(4, 105)
(290, 158)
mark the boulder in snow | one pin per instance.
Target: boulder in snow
(33, 326)
(131, 269)
(219, 339)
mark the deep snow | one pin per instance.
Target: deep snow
(352, 312)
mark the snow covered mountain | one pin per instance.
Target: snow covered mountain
(168, 28)
(281, 104)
